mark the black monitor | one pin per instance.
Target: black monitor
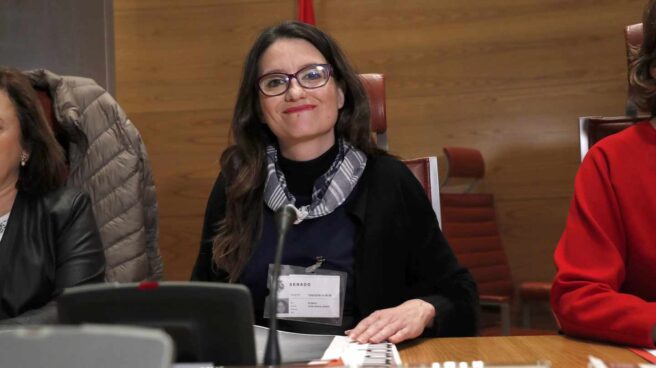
(209, 322)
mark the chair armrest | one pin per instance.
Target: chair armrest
(535, 291)
(503, 303)
(494, 299)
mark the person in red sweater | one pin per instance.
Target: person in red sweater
(605, 287)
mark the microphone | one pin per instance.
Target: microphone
(284, 218)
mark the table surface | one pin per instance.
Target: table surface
(561, 351)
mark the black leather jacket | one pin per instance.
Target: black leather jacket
(50, 243)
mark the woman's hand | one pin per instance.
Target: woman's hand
(397, 324)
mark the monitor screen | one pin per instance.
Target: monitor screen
(209, 322)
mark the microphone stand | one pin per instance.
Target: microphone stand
(285, 217)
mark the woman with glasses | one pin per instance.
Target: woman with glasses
(366, 253)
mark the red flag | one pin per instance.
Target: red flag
(306, 12)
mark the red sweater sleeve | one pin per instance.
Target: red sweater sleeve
(591, 259)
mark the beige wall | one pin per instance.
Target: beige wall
(507, 77)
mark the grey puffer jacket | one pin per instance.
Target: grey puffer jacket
(108, 160)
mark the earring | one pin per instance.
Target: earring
(24, 158)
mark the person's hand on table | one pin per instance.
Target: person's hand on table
(397, 324)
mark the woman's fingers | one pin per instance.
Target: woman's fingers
(397, 324)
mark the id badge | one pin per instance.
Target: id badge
(316, 297)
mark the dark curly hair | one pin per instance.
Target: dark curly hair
(643, 62)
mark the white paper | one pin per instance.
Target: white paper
(294, 347)
(352, 353)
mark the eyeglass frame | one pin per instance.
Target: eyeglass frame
(290, 76)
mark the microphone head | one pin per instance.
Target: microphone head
(285, 217)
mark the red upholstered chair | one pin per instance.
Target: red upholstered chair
(594, 128)
(633, 36)
(374, 85)
(425, 170)
(46, 105)
(49, 111)
(469, 224)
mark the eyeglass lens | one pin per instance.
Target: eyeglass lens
(313, 76)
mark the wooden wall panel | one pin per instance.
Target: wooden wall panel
(507, 77)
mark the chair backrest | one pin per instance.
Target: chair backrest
(463, 163)
(48, 110)
(633, 37)
(469, 224)
(425, 170)
(374, 85)
(46, 104)
(594, 128)
(85, 346)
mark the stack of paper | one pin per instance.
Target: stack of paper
(294, 347)
(354, 353)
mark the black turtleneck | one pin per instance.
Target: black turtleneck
(301, 175)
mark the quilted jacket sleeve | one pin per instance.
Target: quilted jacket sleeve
(151, 221)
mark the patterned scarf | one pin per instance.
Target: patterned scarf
(330, 190)
(4, 219)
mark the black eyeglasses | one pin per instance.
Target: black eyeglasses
(310, 77)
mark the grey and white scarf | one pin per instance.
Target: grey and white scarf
(4, 219)
(330, 190)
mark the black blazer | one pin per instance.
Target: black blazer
(400, 252)
(50, 243)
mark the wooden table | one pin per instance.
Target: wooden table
(561, 351)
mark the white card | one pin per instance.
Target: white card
(308, 296)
